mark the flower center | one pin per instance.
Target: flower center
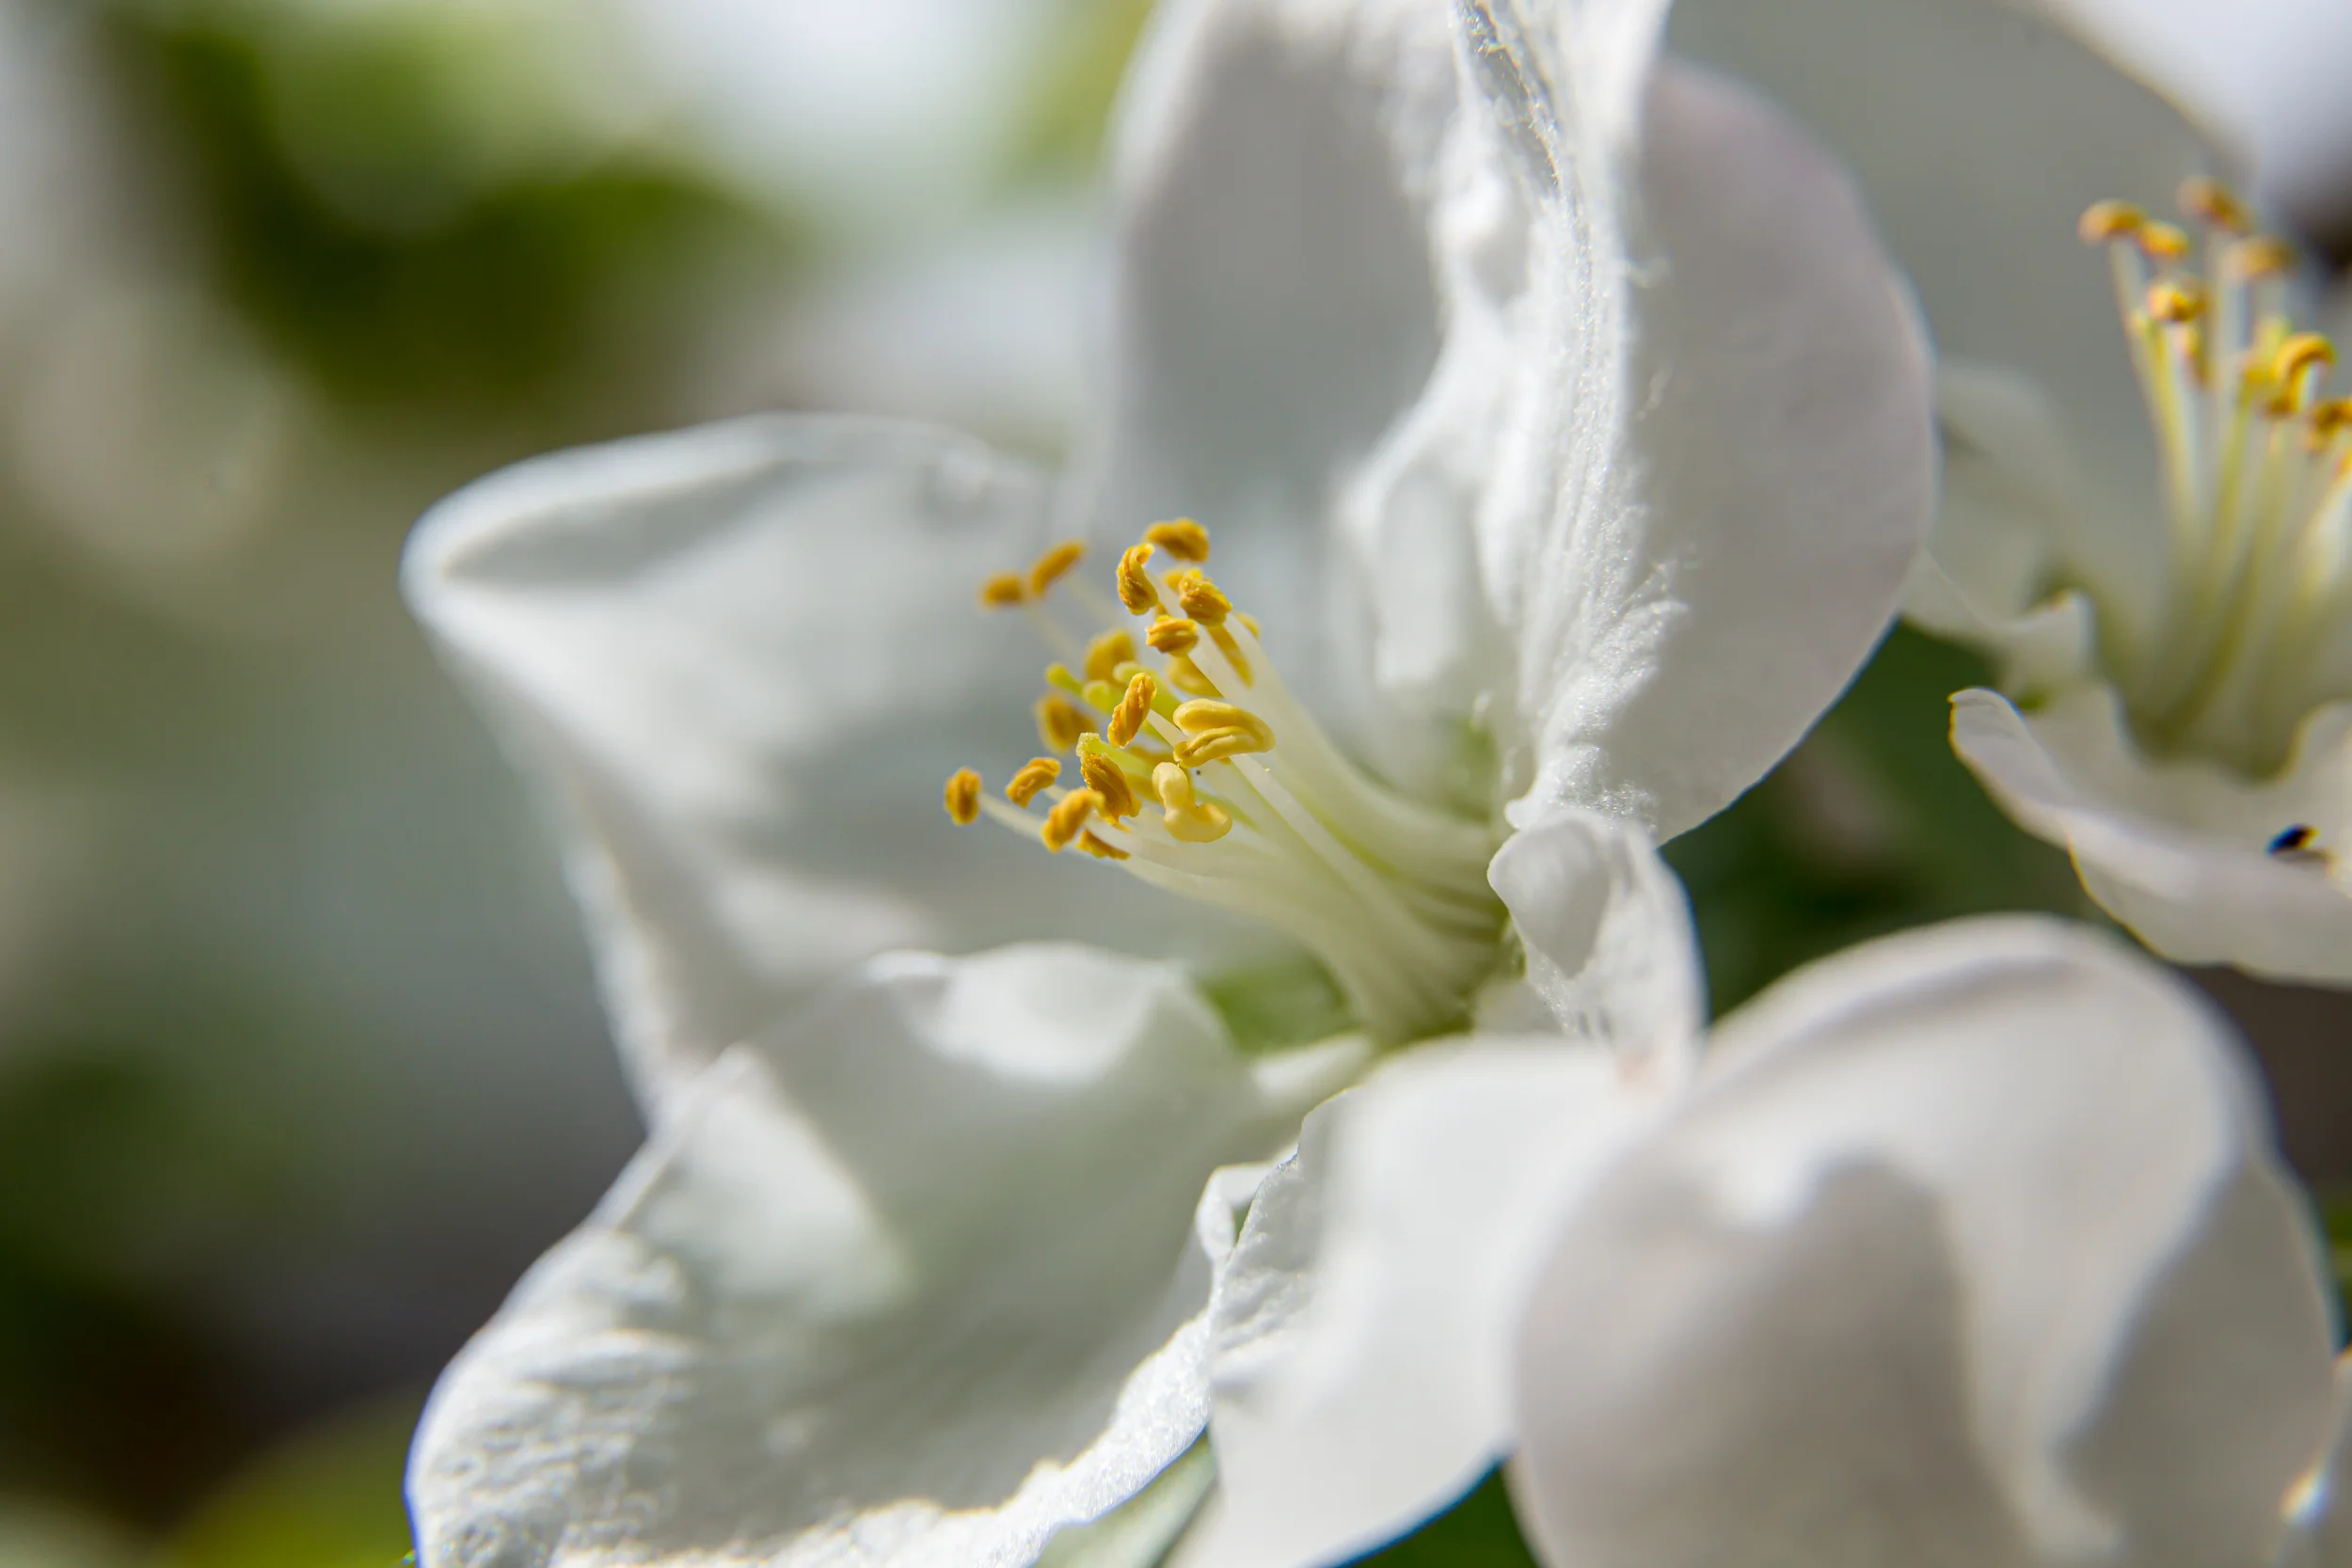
(1199, 771)
(2257, 484)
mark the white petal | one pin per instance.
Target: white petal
(1608, 935)
(1693, 601)
(2012, 497)
(1276, 308)
(1363, 1331)
(915, 1279)
(741, 660)
(1975, 1251)
(2179, 853)
(1981, 132)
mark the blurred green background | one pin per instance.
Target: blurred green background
(299, 1062)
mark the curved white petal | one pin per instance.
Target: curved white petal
(1363, 1331)
(1276, 309)
(1981, 131)
(1974, 1251)
(913, 1279)
(2179, 853)
(1762, 468)
(740, 661)
(1607, 931)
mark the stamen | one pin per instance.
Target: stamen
(2298, 355)
(1054, 564)
(2264, 256)
(1188, 818)
(1002, 592)
(1391, 895)
(2211, 203)
(1134, 706)
(1067, 816)
(2163, 243)
(1106, 652)
(1110, 787)
(963, 797)
(1060, 723)
(2175, 302)
(2258, 542)
(1134, 583)
(2106, 221)
(1181, 538)
(1205, 716)
(1202, 599)
(1034, 776)
(1169, 635)
(1220, 745)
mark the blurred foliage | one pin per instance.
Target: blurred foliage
(329, 1499)
(39, 1534)
(1480, 1531)
(2335, 1218)
(1870, 826)
(1061, 138)
(378, 245)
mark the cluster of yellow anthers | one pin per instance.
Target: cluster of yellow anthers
(1113, 708)
(2233, 313)
(2257, 481)
(1390, 894)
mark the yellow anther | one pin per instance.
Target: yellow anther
(1054, 563)
(2262, 256)
(1064, 821)
(1101, 696)
(1134, 584)
(2104, 221)
(1060, 723)
(2298, 353)
(2176, 302)
(1109, 786)
(1198, 717)
(1202, 600)
(1134, 706)
(964, 796)
(1002, 592)
(1187, 820)
(2162, 242)
(1169, 635)
(1106, 652)
(2329, 419)
(1181, 538)
(1035, 775)
(1184, 675)
(1099, 849)
(2211, 203)
(1199, 751)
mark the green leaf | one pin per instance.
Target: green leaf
(1480, 1531)
(329, 1499)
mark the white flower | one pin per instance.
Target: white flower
(1565, 430)
(1969, 1245)
(2147, 523)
